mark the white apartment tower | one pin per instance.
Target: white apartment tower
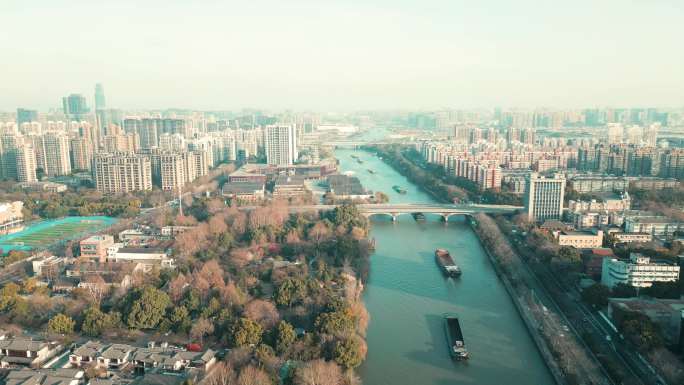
(281, 145)
(122, 173)
(26, 164)
(544, 197)
(55, 152)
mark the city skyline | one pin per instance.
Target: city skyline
(346, 56)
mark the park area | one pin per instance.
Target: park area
(50, 232)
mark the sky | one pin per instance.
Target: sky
(329, 55)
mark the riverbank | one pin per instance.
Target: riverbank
(526, 315)
(407, 295)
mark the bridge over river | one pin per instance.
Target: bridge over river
(394, 210)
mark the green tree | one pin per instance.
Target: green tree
(290, 292)
(645, 334)
(596, 295)
(61, 324)
(180, 319)
(285, 336)
(622, 290)
(337, 323)
(246, 332)
(8, 296)
(93, 321)
(148, 308)
(349, 352)
(191, 300)
(569, 255)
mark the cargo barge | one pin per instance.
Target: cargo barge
(399, 189)
(454, 335)
(446, 263)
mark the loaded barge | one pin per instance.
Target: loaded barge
(454, 335)
(446, 263)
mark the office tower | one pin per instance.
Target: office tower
(651, 134)
(99, 97)
(615, 133)
(122, 173)
(173, 171)
(544, 197)
(281, 145)
(225, 148)
(26, 116)
(9, 143)
(75, 106)
(26, 163)
(81, 154)
(55, 148)
(121, 142)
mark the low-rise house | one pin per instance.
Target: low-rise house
(580, 239)
(147, 257)
(95, 247)
(48, 266)
(639, 271)
(43, 187)
(243, 191)
(172, 359)
(26, 352)
(667, 313)
(286, 186)
(172, 231)
(654, 225)
(11, 217)
(347, 187)
(621, 237)
(56, 376)
(86, 354)
(115, 356)
(592, 260)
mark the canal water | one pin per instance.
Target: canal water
(407, 295)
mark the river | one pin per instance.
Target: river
(406, 296)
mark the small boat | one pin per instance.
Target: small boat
(419, 217)
(446, 263)
(454, 335)
(371, 171)
(354, 156)
(359, 161)
(399, 189)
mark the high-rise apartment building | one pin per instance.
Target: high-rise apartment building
(172, 142)
(120, 142)
(544, 197)
(55, 153)
(122, 173)
(81, 154)
(9, 143)
(26, 163)
(281, 145)
(173, 171)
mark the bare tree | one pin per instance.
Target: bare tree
(251, 375)
(319, 372)
(263, 312)
(201, 328)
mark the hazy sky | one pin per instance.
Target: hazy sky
(342, 55)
